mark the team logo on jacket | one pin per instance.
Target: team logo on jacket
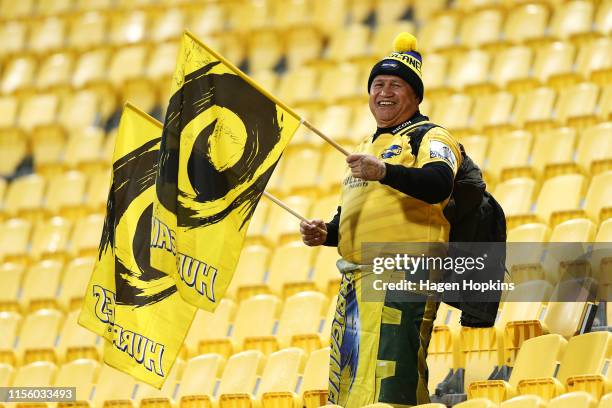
(391, 151)
(438, 150)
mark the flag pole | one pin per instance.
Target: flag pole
(289, 209)
(324, 137)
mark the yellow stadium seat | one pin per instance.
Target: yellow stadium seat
(480, 28)
(476, 147)
(76, 342)
(2, 191)
(96, 194)
(162, 60)
(11, 276)
(18, 74)
(48, 144)
(547, 350)
(55, 70)
(255, 316)
(250, 272)
(83, 148)
(6, 375)
(553, 59)
(453, 111)
(91, 66)
(260, 217)
(79, 110)
(40, 109)
(38, 374)
(53, 7)
(282, 224)
(65, 193)
(482, 351)
(199, 379)
(341, 82)
(535, 232)
(208, 326)
(205, 19)
(435, 74)
(476, 403)
(382, 38)
(526, 22)
(295, 179)
(76, 276)
(363, 126)
(439, 32)
(599, 196)
(350, 42)
(265, 49)
(13, 34)
(93, 4)
(232, 46)
(551, 148)
(291, 13)
(492, 110)
(37, 336)
(50, 238)
(148, 396)
(593, 56)
(14, 239)
(279, 378)
(512, 63)
(508, 150)
(595, 144)
(300, 321)
(314, 382)
(524, 401)
(603, 18)
(570, 186)
(306, 44)
(40, 285)
(443, 353)
(469, 69)
(112, 385)
(127, 63)
(298, 84)
(571, 18)
(9, 106)
(325, 207)
(577, 102)
(574, 364)
(87, 30)
(86, 234)
(267, 79)
(431, 405)
(515, 195)
(578, 399)
(334, 122)
(80, 374)
(243, 18)
(47, 34)
(167, 24)
(128, 27)
(534, 105)
(290, 269)
(326, 275)
(606, 401)
(9, 323)
(332, 171)
(13, 149)
(240, 376)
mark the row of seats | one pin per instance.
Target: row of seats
(576, 399)
(285, 378)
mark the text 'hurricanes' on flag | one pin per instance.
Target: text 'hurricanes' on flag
(132, 305)
(222, 138)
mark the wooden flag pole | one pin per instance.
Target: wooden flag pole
(289, 209)
(327, 139)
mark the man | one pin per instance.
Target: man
(391, 195)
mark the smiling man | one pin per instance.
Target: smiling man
(394, 190)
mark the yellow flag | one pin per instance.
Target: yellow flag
(221, 141)
(134, 306)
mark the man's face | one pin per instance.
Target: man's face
(392, 100)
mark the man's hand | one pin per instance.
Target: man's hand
(366, 167)
(313, 232)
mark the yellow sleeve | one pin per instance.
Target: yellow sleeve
(438, 145)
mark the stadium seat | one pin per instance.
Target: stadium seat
(552, 148)
(127, 27)
(83, 148)
(603, 18)
(86, 234)
(265, 50)
(571, 18)
(11, 275)
(76, 276)
(342, 82)
(9, 323)
(167, 24)
(594, 56)
(55, 70)
(3, 185)
(250, 272)
(147, 396)
(476, 147)
(80, 374)
(38, 374)
(476, 403)
(47, 35)
(315, 380)
(199, 379)
(525, 22)
(91, 66)
(481, 28)
(17, 74)
(205, 19)
(443, 354)
(576, 230)
(524, 401)
(507, 151)
(469, 69)
(576, 104)
(515, 195)
(299, 84)
(127, 63)
(162, 60)
(535, 105)
(510, 64)
(50, 238)
(295, 179)
(87, 30)
(594, 144)
(434, 77)
(259, 219)
(112, 385)
(453, 111)
(578, 399)
(492, 110)
(76, 342)
(283, 226)
(348, 43)
(572, 186)
(14, 35)
(574, 363)
(291, 13)
(40, 285)
(547, 350)
(438, 33)
(280, 378)
(97, 189)
(606, 401)
(240, 376)
(37, 336)
(40, 109)
(9, 106)
(13, 150)
(53, 8)
(207, 325)
(334, 122)
(14, 240)
(326, 275)
(6, 375)
(300, 321)
(554, 59)
(290, 269)
(65, 194)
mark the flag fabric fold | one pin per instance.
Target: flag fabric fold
(131, 304)
(222, 138)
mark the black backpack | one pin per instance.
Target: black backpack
(474, 216)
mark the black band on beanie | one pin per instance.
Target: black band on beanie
(392, 67)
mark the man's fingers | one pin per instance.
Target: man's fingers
(354, 157)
